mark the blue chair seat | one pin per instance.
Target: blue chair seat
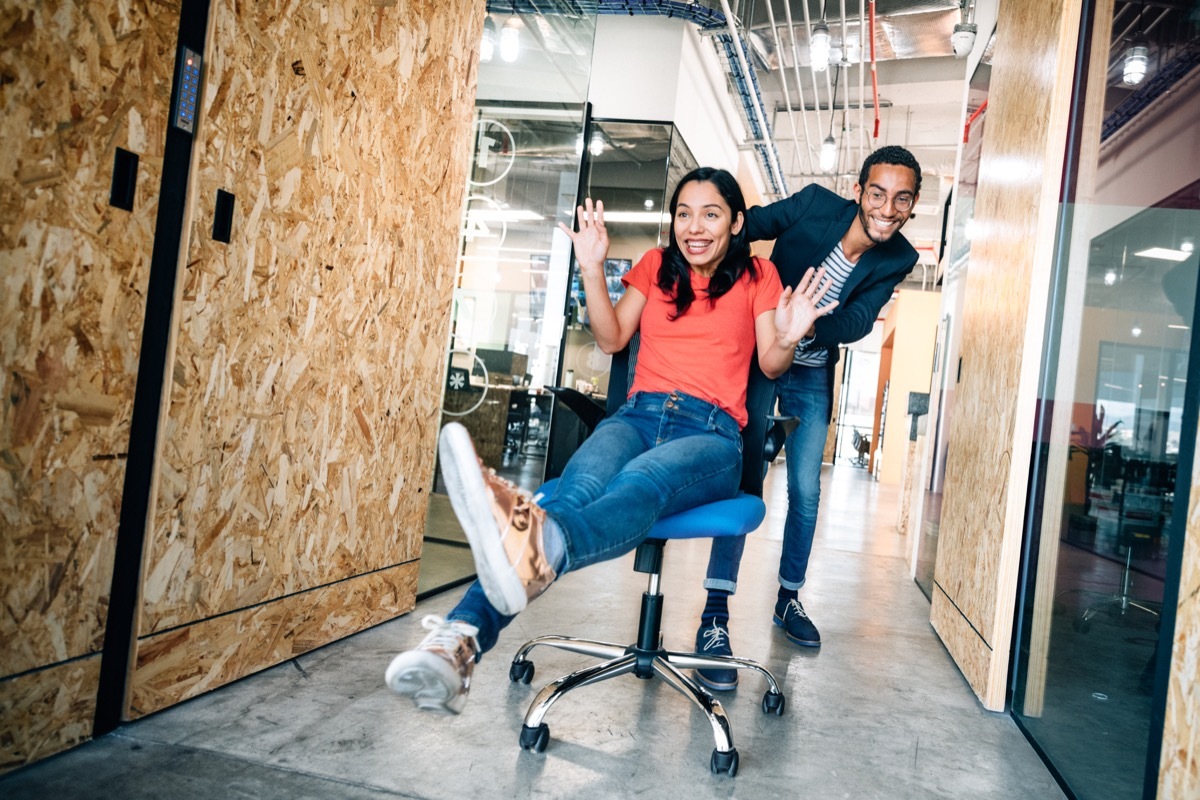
(740, 514)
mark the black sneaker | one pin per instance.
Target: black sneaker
(713, 640)
(790, 616)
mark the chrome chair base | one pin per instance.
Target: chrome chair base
(646, 659)
(1121, 600)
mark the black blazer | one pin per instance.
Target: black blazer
(806, 228)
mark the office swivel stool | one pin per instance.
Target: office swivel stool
(1123, 598)
(862, 447)
(647, 658)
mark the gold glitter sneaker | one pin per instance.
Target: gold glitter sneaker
(437, 674)
(502, 523)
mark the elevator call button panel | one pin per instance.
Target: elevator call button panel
(188, 91)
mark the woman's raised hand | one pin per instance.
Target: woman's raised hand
(798, 309)
(591, 240)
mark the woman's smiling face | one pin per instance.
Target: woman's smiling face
(703, 225)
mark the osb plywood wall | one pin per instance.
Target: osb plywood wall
(77, 80)
(1006, 289)
(1179, 766)
(304, 406)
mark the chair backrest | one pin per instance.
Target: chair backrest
(760, 401)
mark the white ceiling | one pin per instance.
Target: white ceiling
(921, 86)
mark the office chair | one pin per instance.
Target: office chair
(1138, 523)
(647, 658)
(862, 447)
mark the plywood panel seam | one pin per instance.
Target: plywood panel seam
(44, 667)
(155, 634)
(966, 619)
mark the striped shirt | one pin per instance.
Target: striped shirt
(837, 270)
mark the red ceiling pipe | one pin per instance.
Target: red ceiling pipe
(874, 75)
(974, 116)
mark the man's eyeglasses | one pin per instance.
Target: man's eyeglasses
(901, 202)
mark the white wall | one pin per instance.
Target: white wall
(657, 69)
(705, 111)
(635, 67)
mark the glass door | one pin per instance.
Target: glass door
(507, 324)
(511, 273)
(633, 168)
(1102, 546)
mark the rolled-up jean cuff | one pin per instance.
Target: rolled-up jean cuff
(791, 585)
(723, 585)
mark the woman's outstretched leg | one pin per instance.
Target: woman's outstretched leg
(508, 534)
(520, 550)
(507, 531)
(436, 674)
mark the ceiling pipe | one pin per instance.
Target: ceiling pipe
(787, 95)
(764, 134)
(808, 142)
(815, 88)
(862, 78)
(843, 140)
(807, 151)
(874, 72)
(971, 119)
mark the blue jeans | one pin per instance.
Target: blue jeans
(658, 455)
(803, 392)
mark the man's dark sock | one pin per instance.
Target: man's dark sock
(788, 594)
(716, 609)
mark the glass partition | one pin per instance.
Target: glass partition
(512, 271)
(633, 167)
(1100, 542)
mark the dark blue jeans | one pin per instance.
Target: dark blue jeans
(803, 392)
(658, 455)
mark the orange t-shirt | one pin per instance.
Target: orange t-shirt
(705, 353)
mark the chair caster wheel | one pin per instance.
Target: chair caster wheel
(724, 762)
(535, 739)
(521, 672)
(773, 703)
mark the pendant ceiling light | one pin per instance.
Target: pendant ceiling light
(829, 151)
(828, 154)
(818, 46)
(1137, 57)
(510, 40)
(487, 45)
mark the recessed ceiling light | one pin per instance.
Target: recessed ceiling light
(502, 215)
(1163, 253)
(644, 217)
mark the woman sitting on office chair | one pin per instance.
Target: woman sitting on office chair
(704, 307)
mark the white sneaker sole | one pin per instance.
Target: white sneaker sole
(429, 681)
(469, 499)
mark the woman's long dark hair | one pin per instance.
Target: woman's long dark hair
(674, 277)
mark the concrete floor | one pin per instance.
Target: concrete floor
(880, 711)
